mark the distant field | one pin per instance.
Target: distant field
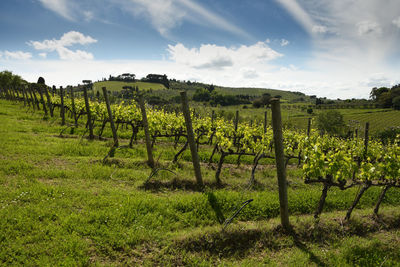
(378, 119)
(117, 86)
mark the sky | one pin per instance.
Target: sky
(335, 49)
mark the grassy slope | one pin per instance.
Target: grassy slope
(117, 86)
(286, 95)
(60, 205)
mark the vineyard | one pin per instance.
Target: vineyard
(333, 173)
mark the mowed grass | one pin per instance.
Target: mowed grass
(118, 86)
(60, 205)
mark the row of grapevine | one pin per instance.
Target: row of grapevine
(330, 161)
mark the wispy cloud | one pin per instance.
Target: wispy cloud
(319, 29)
(396, 22)
(60, 45)
(18, 55)
(163, 15)
(284, 42)
(214, 19)
(299, 14)
(368, 27)
(351, 39)
(59, 6)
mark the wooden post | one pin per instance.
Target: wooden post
(53, 92)
(73, 105)
(24, 96)
(309, 127)
(32, 98)
(366, 139)
(110, 116)
(150, 159)
(265, 121)
(14, 97)
(280, 163)
(17, 93)
(190, 138)
(42, 99)
(236, 122)
(89, 115)
(49, 104)
(62, 110)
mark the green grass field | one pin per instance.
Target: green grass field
(117, 86)
(60, 205)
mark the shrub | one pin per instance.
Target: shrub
(331, 122)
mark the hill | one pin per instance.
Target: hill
(118, 86)
(191, 87)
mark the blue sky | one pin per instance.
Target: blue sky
(337, 49)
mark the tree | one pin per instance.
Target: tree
(8, 79)
(396, 103)
(211, 88)
(265, 98)
(202, 94)
(331, 122)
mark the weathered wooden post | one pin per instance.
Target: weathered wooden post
(280, 163)
(366, 139)
(150, 159)
(42, 99)
(235, 124)
(49, 104)
(23, 95)
(265, 121)
(71, 90)
(89, 115)
(309, 127)
(62, 109)
(33, 97)
(190, 138)
(110, 116)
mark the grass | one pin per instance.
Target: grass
(59, 205)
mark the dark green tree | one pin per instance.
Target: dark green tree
(331, 122)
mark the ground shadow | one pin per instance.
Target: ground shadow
(178, 184)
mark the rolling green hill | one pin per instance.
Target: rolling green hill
(256, 92)
(117, 86)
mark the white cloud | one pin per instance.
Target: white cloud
(319, 29)
(58, 6)
(18, 55)
(284, 42)
(368, 27)
(213, 56)
(68, 39)
(43, 55)
(249, 73)
(67, 54)
(396, 22)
